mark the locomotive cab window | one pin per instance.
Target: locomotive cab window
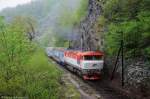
(94, 57)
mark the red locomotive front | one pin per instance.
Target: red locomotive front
(89, 64)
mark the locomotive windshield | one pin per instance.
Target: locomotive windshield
(93, 57)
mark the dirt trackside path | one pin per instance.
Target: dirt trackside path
(74, 88)
(84, 94)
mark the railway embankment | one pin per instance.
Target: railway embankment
(67, 90)
(73, 87)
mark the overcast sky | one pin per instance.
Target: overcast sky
(12, 3)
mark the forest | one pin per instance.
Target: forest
(132, 18)
(25, 71)
(26, 30)
(128, 20)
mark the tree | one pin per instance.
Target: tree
(132, 18)
(24, 69)
(29, 25)
(15, 48)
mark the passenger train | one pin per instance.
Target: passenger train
(87, 64)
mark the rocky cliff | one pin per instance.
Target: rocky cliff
(89, 36)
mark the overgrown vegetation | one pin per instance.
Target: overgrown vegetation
(128, 20)
(132, 18)
(24, 69)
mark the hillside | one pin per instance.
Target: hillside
(51, 16)
(118, 28)
(25, 71)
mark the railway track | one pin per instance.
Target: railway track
(107, 92)
(95, 89)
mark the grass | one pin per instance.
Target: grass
(69, 91)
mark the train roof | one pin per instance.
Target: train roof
(84, 53)
(91, 53)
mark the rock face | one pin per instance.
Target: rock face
(89, 39)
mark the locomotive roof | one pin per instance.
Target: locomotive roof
(86, 52)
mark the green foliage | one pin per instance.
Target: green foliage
(25, 70)
(132, 17)
(41, 77)
(14, 48)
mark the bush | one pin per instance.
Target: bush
(25, 70)
(39, 79)
(42, 78)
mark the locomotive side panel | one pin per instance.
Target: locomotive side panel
(71, 59)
